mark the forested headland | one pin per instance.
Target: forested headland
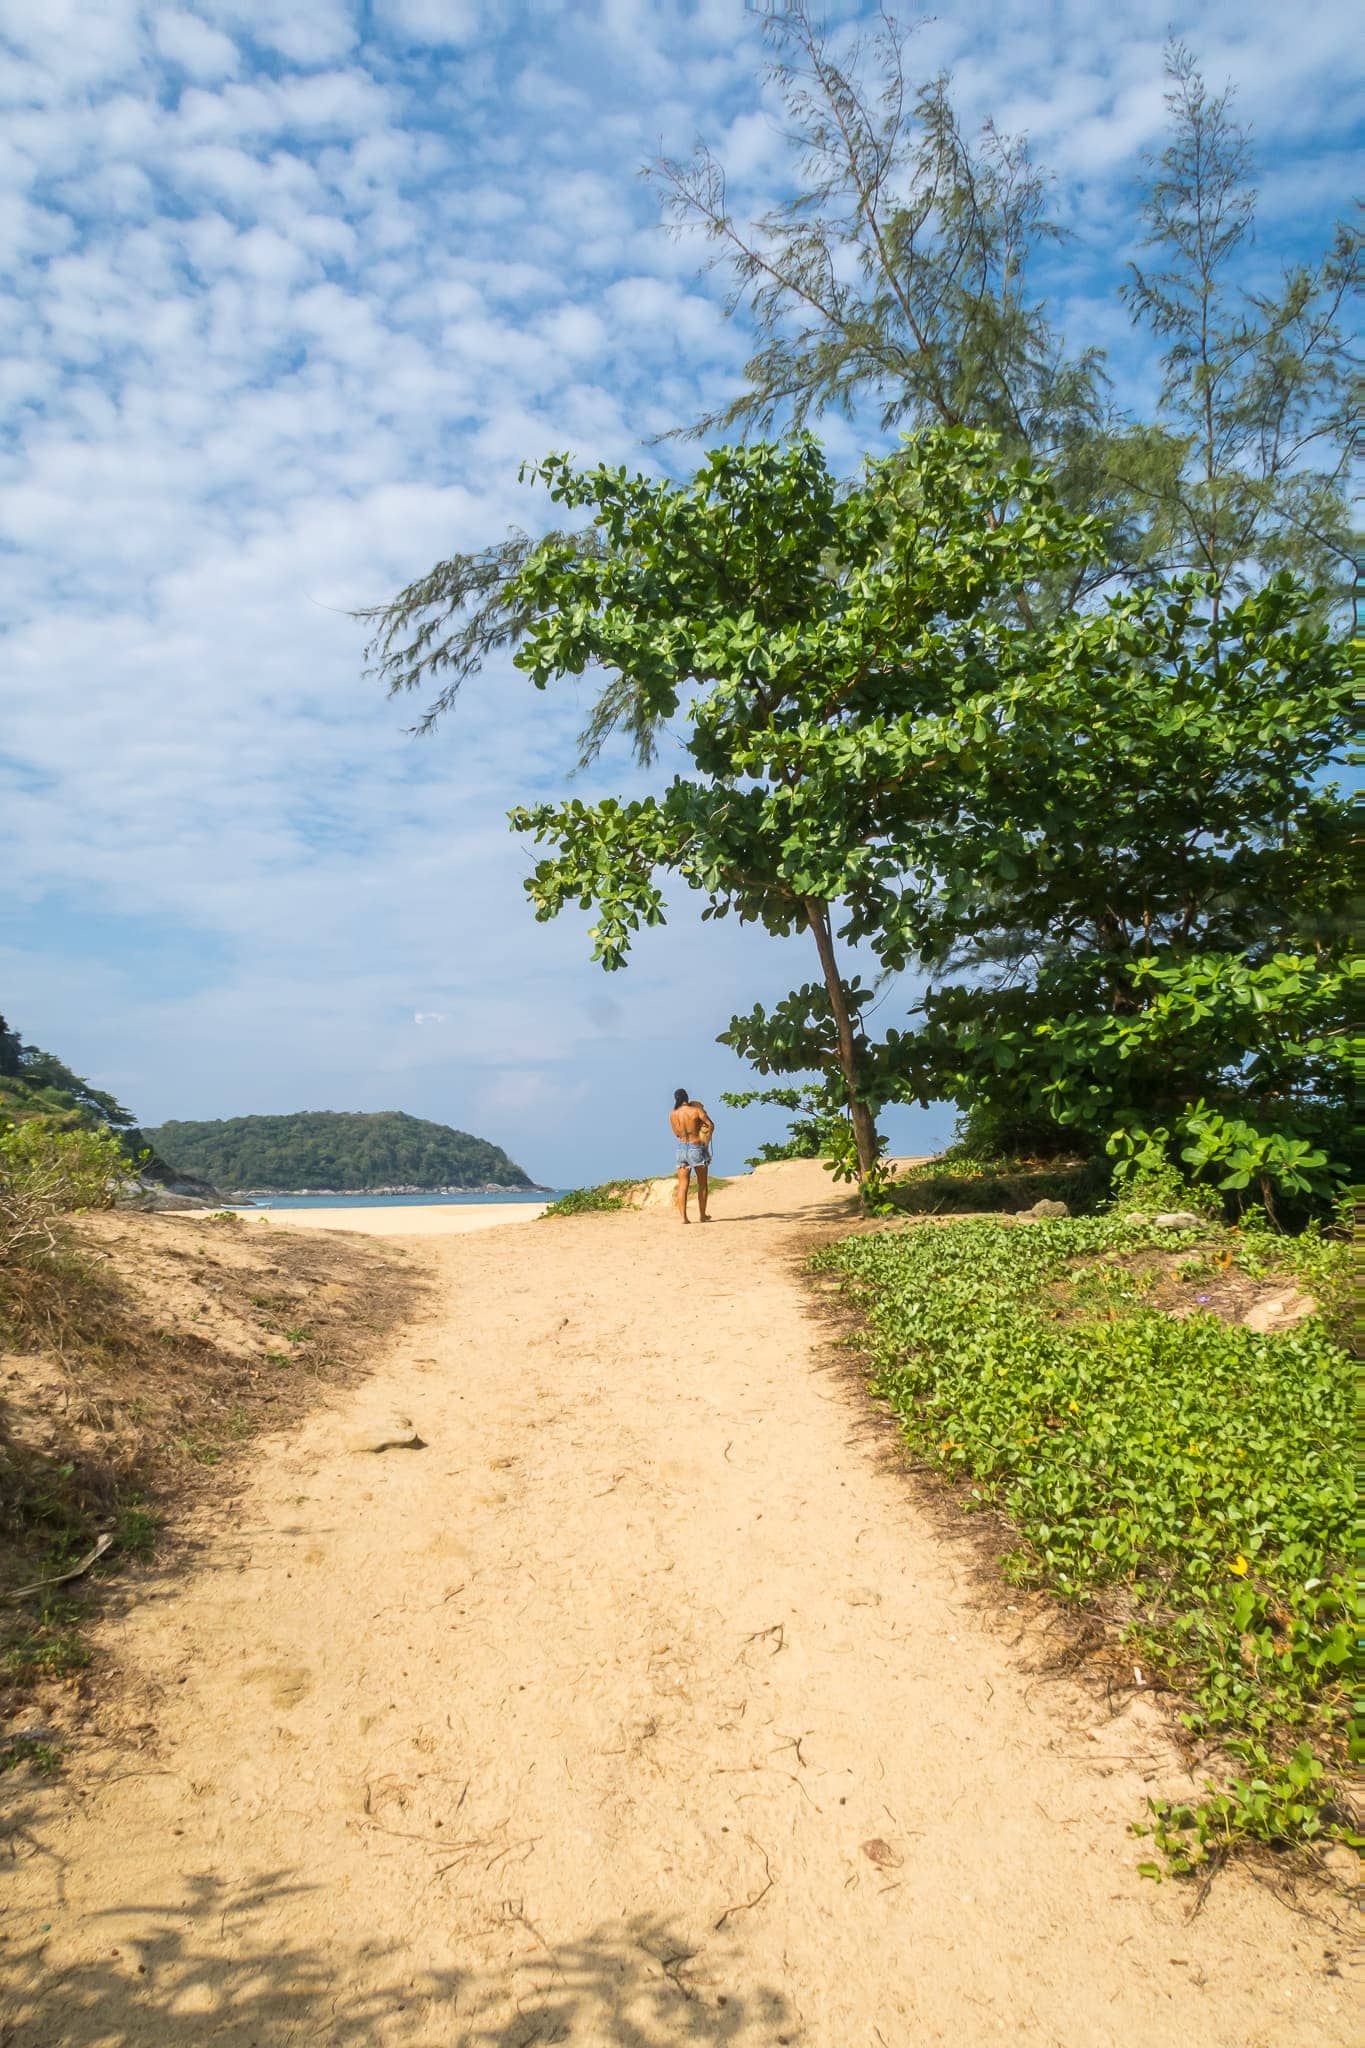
(336, 1152)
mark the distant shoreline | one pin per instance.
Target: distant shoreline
(353, 1194)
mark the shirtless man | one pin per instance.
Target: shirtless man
(692, 1128)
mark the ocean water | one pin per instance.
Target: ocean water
(394, 1201)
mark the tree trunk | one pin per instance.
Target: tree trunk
(864, 1123)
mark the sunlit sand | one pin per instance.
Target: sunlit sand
(439, 1220)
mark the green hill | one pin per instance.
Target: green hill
(335, 1152)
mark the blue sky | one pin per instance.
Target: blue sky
(293, 289)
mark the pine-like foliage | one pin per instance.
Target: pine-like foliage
(1255, 395)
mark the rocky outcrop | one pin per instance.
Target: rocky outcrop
(145, 1195)
(158, 1185)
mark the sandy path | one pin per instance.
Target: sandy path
(640, 1707)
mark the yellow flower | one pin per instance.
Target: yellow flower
(1239, 1566)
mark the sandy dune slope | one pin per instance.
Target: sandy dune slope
(641, 1705)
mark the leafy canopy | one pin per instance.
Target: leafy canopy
(837, 657)
(1164, 952)
(1107, 805)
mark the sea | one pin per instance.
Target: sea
(398, 1201)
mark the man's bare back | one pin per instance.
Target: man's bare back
(693, 1129)
(687, 1123)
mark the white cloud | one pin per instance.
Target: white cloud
(575, 332)
(526, 1094)
(434, 22)
(194, 46)
(304, 31)
(70, 44)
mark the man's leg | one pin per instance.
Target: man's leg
(702, 1173)
(680, 1198)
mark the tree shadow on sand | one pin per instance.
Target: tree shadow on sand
(216, 1966)
(631, 1984)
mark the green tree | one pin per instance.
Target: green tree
(884, 754)
(1162, 949)
(43, 1070)
(817, 1126)
(900, 273)
(34, 1082)
(1255, 395)
(335, 1149)
(840, 657)
(11, 1051)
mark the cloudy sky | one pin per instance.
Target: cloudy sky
(292, 287)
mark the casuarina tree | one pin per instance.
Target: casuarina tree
(898, 282)
(1245, 472)
(904, 283)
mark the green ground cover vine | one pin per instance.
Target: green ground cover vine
(1183, 1475)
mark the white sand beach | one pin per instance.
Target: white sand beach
(453, 1219)
(444, 1219)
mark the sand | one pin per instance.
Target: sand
(644, 1705)
(448, 1219)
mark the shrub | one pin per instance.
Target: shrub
(958, 1181)
(45, 1173)
(990, 1130)
(612, 1194)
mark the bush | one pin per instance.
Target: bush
(612, 1194)
(1185, 1475)
(958, 1180)
(994, 1130)
(46, 1173)
(1236, 1068)
(1228, 1163)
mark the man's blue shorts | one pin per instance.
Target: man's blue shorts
(693, 1155)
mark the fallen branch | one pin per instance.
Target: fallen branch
(102, 1543)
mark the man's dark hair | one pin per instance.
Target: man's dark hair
(680, 1096)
